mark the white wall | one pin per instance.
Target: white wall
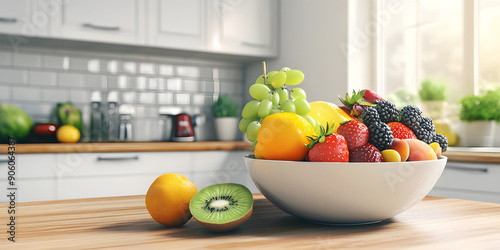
(311, 33)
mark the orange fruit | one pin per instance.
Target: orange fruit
(326, 112)
(167, 199)
(282, 136)
(68, 133)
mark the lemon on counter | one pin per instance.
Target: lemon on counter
(68, 133)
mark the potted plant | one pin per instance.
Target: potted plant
(226, 118)
(478, 114)
(433, 96)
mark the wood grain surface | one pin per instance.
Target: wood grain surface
(124, 223)
(36, 148)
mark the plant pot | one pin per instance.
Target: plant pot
(434, 109)
(478, 133)
(226, 128)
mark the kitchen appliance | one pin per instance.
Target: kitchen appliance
(183, 128)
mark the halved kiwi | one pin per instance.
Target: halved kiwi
(222, 207)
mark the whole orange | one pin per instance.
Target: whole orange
(167, 199)
(68, 133)
(283, 136)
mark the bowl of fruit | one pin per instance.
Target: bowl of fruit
(360, 163)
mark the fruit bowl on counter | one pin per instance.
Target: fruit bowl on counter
(344, 192)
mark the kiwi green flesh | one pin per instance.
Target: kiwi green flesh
(221, 203)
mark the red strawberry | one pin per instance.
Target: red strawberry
(328, 147)
(355, 132)
(400, 131)
(371, 97)
(365, 153)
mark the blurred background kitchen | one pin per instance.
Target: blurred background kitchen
(156, 59)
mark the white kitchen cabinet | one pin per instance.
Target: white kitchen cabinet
(244, 27)
(178, 24)
(24, 17)
(34, 177)
(110, 21)
(470, 181)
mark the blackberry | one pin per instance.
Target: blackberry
(370, 116)
(442, 141)
(427, 124)
(411, 116)
(380, 135)
(424, 135)
(387, 111)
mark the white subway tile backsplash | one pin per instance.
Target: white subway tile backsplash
(230, 88)
(182, 99)
(122, 82)
(152, 83)
(13, 76)
(71, 80)
(189, 71)
(5, 58)
(166, 70)
(96, 81)
(190, 85)
(129, 67)
(43, 78)
(141, 83)
(94, 66)
(198, 99)
(53, 62)
(128, 97)
(55, 95)
(145, 111)
(76, 63)
(26, 94)
(147, 68)
(230, 73)
(147, 98)
(112, 82)
(207, 87)
(27, 60)
(41, 109)
(79, 96)
(165, 98)
(4, 93)
(174, 84)
(111, 67)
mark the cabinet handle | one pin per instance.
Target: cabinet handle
(8, 20)
(485, 170)
(118, 158)
(98, 27)
(257, 45)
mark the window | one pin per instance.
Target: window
(451, 41)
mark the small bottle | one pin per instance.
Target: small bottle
(125, 131)
(112, 117)
(96, 117)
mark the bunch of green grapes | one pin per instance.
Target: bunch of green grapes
(273, 95)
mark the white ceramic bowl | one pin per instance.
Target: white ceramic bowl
(344, 193)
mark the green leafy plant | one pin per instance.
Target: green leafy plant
(432, 91)
(225, 107)
(481, 108)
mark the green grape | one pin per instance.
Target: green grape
(294, 77)
(260, 80)
(298, 93)
(283, 94)
(249, 112)
(284, 69)
(302, 106)
(265, 108)
(271, 74)
(259, 91)
(278, 79)
(310, 120)
(253, 130)
(275, 98)
(244, 124)
(276, 110)
(289, 106)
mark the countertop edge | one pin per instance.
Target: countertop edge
(40, 148)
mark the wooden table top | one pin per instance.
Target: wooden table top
(123, 223)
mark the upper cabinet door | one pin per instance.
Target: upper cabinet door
(244, 27)
(178, 24)
(116, 21)
(24, 17)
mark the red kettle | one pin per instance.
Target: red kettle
(183, 128)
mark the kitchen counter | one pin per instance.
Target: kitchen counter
(36, 148)
(123, 222)
(475, 154)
